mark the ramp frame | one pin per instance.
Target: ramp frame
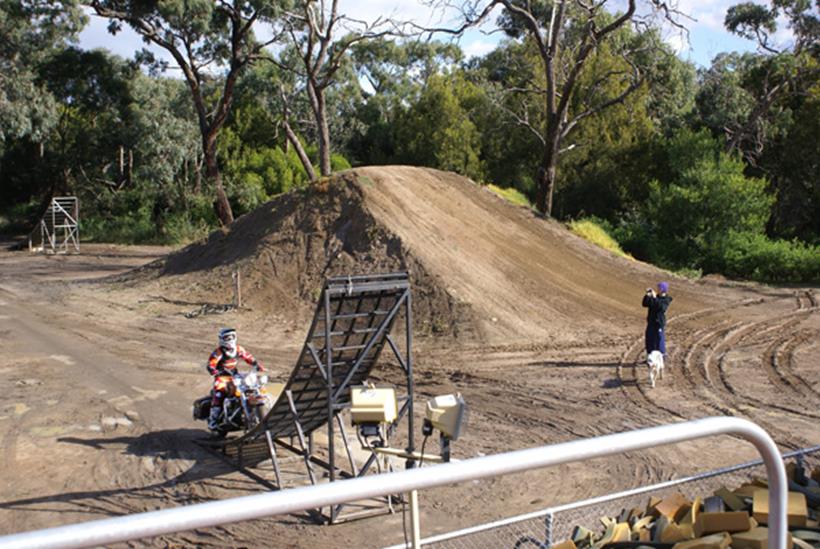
(350, 328)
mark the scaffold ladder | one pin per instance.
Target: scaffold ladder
(59, 227)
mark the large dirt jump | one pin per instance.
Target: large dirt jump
(540, 330)
(484, 270)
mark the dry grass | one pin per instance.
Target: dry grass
(511, 194)
(596, 234)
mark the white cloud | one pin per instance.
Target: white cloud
(477, 48)
(124, 43)
(706, 13)
(678, 42)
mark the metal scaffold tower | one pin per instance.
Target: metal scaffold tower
(59, 229)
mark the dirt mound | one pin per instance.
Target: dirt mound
(286, 248)
(481, 267)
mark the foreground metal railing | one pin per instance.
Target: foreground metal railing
(202, 515)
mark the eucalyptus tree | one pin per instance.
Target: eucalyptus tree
(566, 34)
(780, 70)
(88, 143)
(30, 32)
(391, 74)
(320, 37)
(79, 153)
(202, 37)
(401, 67)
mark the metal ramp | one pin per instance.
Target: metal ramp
(59, 227)
(350, 328)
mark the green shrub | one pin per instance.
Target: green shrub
(756, 257)
(133, 227)
(339, 163)
(18, 218)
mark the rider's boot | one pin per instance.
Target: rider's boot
(213, 418)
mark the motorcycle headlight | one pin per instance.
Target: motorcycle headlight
(250, 379)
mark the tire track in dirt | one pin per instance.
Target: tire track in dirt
(543, 416)
(777, 361)
(716, 359)
(719, 357)
(782, 361)
(704, 348)
(518, 403)
(634, 389)
(695, 366)
(718, 344)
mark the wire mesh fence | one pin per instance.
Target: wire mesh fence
(543, 528)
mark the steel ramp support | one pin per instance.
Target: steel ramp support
(273, 458)
(331, 443)
(343, 432)
(301, 435)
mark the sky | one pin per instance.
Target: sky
(706, 38)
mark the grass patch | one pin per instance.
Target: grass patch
(511, 194)
(689, 272)
(592, 231)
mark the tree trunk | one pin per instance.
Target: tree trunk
(546, 176)
(222, 206)
(300, 151)
(198, 176)
(324, 133)
(129, 174)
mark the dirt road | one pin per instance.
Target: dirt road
(100, 376)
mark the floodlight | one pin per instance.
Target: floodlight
(371, 409)
(446, 414)
(373, 405)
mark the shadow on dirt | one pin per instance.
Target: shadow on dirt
(163, 453)
(572, 364)
(616, 382)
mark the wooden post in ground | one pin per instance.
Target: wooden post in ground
(237, 289)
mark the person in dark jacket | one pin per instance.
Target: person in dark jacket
(656, 304)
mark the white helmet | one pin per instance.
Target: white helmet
(227, 340)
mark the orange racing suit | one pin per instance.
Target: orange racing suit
(220, 364)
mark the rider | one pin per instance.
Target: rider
(223, 362)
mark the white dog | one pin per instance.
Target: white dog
(655, 363)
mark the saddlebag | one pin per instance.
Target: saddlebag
(202, 408)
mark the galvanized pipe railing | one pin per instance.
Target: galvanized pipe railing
(214, 513)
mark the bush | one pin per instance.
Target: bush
(18, 218)
(593, 230)
(756, 257)
(146, 217)
(134, 227)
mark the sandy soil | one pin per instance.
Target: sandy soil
(540, 331)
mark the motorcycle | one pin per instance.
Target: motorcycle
(245, 404)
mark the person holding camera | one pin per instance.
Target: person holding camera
(657, 304)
